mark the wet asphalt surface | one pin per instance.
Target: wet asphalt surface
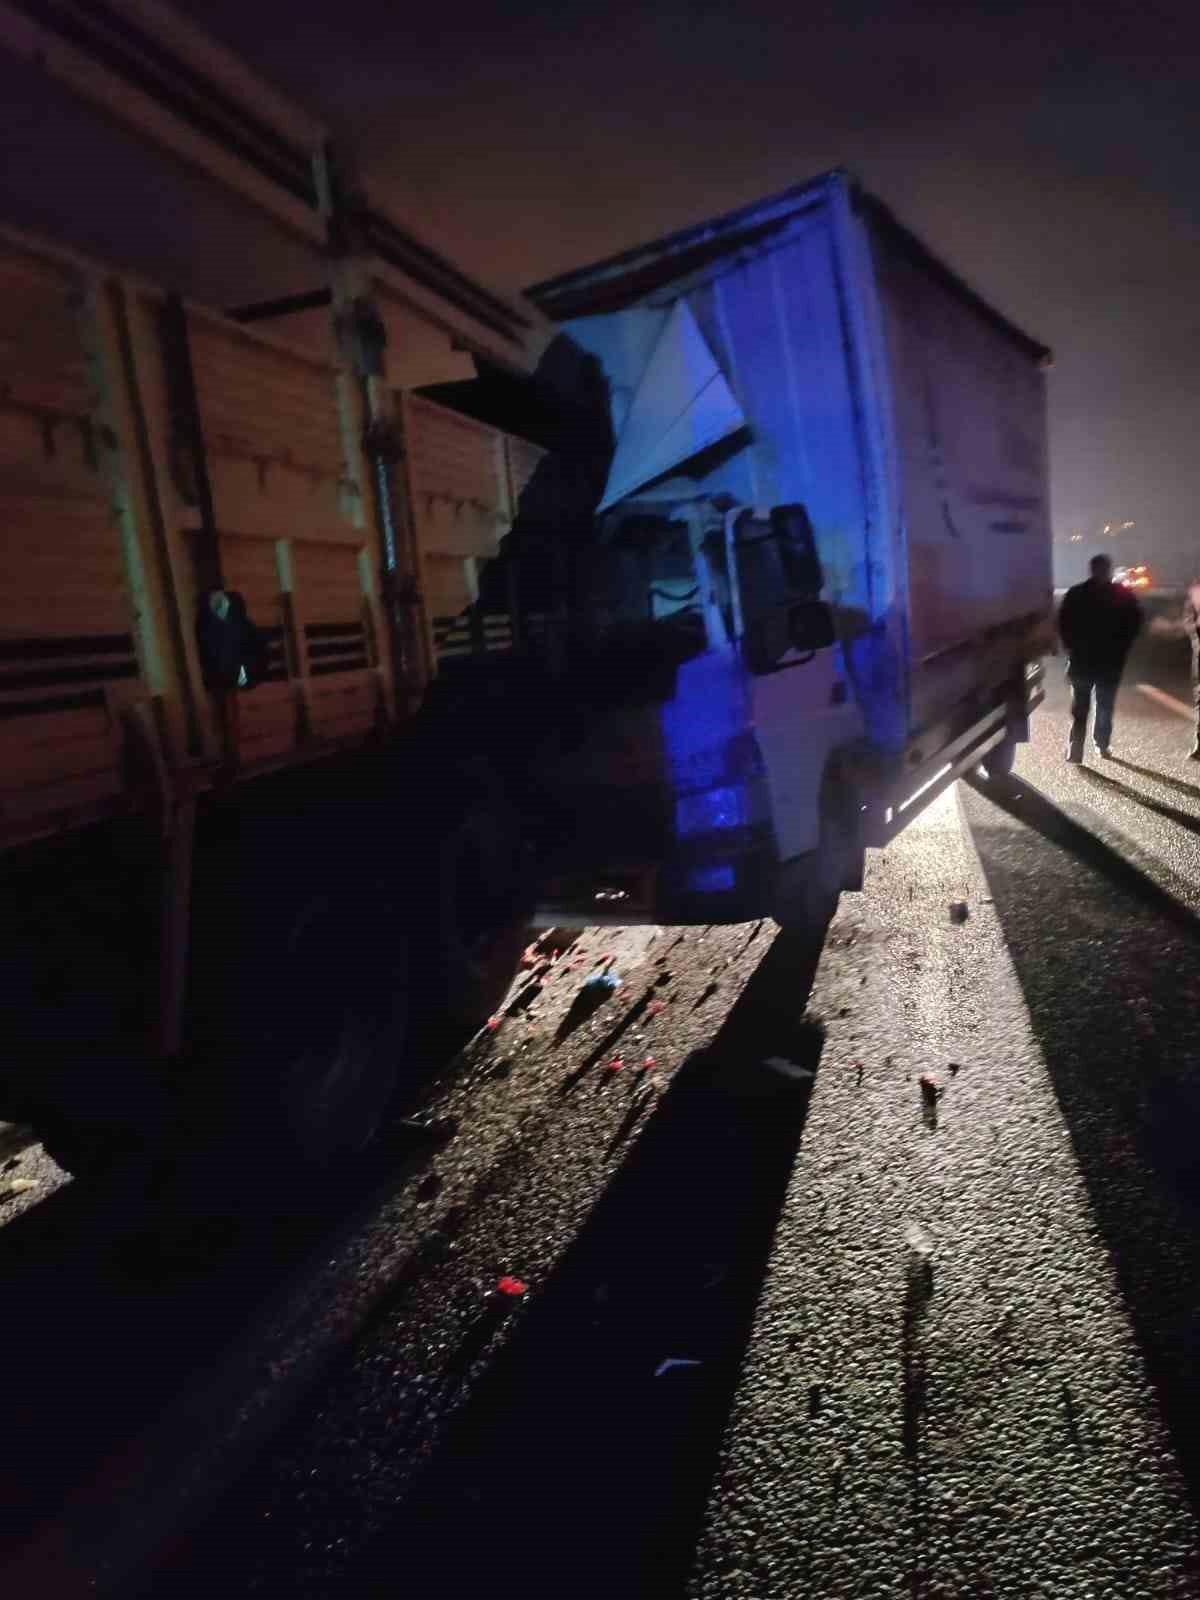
(836, 1333)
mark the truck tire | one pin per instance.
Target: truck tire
(810, 887)
(333, 1048)
(300, 1003)
(478, 905)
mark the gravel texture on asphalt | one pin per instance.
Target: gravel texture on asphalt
(914, 1309)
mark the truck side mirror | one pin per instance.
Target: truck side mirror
(810, 626)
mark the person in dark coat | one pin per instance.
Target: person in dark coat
(1097, 622)
(1191, 625)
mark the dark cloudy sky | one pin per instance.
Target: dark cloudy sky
(1051, 152)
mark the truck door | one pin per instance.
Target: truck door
(803, 709)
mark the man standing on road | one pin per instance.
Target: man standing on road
(1098, 622)
(1191, 623)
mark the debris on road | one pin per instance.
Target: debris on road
(16, 1186)
(590, 996)
(649, 1064)
(674, 1361)
(492, 1024)
(513, 1287)
(790, 1069)
(954, 1068)
(918, 1239)
(655, 1007)
(959, 911)
(616, 1064)
(931, 1089)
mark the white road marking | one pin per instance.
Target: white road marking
(1167, 700)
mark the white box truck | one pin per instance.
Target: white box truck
(819, 583)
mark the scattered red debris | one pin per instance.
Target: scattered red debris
(492, 1024)
(655, 1006)
(616, 1064)
(649, 1064)
(930, 1088)
(511, 1286)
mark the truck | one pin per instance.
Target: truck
(346, 633)
(247, 845)
(823, 536)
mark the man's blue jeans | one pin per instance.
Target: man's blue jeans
(1104, 687)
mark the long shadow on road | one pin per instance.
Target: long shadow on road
(1182, 819)
(1109, 964)
(581, 1465)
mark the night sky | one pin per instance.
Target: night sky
(1050, 152)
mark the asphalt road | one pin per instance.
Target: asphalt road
(829, 1333)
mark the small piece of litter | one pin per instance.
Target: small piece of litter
(674, 1361)
(790, 1069)
(616, 1064)
(16, 1186)
(602, 983)
(492, 1023)
(511, 1286)
(958, 911)
(930, 1088)
(655, 1006)
(954, 1068)
(649, 1064)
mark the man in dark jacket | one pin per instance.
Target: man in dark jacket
(1098, 622)
(1191, 626)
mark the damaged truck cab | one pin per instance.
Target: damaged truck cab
(819, 583)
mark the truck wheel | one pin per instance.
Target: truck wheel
(998, 763)
(479, 916)
(302, 1022)
(810, 887)
(335, 1041)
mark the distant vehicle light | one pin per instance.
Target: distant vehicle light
(1133, 577)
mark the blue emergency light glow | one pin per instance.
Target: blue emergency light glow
(711, 880)
(710, 811)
